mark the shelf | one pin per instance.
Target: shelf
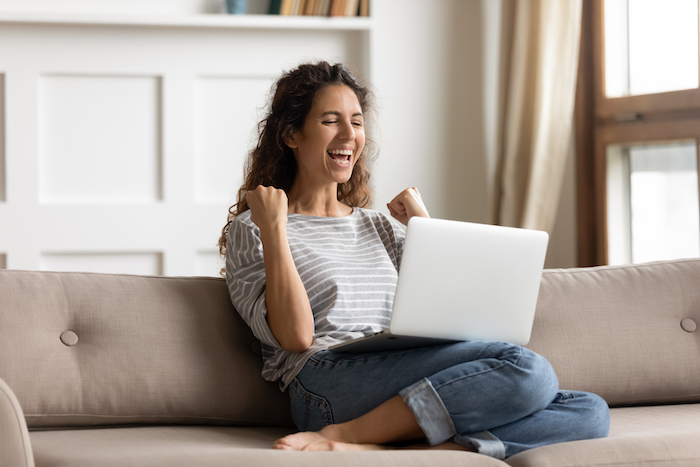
(222, 21)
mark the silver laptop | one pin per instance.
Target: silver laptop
(462, 281)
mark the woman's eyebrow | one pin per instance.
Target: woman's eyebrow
(337, 114)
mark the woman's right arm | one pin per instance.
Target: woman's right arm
(289, 313)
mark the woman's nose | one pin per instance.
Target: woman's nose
(347, 131)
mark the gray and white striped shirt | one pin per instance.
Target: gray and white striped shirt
(349, 266)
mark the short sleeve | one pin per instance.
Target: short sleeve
(393, 236)
(245, 276)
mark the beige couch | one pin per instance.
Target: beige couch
(114, 370)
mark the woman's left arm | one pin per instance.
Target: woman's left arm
(407, 204)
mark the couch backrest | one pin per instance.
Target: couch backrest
(92, 349)
(627, 333)
(173, 350)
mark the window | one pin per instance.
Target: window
(638, 131)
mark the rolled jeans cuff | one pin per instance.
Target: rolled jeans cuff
(430, 412)
(484, 442)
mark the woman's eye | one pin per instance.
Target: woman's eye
(357, 124)
(329, 122)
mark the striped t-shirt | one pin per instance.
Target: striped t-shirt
(349, 266)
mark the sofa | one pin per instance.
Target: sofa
(107, 370)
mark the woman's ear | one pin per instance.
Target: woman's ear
(291, 138)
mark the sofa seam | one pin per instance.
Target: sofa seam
(71, 323)
(661, 401)
(546, 271)
(82, 273)
(635, 462)
(186, 417)
(613, 267)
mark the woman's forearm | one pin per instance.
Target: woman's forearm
(288, 310)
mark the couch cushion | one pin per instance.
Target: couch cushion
(619, 331)
(639, 436)
(215, 446)
(90, 349)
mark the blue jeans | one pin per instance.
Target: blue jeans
(498, 398)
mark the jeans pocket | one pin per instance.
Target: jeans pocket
(310, 412)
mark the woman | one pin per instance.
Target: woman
(308, 266)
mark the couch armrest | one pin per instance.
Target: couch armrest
(15, 447)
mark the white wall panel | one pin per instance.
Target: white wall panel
(99, 139)
(115, 263)
(3, 183)
(125, 141)
(226, 111)
(208, 263)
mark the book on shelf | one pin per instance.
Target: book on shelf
(275, 7)
(337, 8)
(352, 7)
(364, 7)
(319, 7)
(286, 7)
(309, 7)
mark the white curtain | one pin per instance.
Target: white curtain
(537, 125)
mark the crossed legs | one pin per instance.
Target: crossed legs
(350, 402)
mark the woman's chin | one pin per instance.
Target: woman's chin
(342, 180)
(342, 175)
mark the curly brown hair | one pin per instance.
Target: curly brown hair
(272, 162)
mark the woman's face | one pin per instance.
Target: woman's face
(332, 138)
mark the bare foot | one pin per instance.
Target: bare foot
(324, 440)
(298, 441)
(339, 446)
(327, 440)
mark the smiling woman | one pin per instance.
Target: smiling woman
(326, 149)
(308, 266)
(273, 163)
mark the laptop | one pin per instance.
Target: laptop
(461, 281)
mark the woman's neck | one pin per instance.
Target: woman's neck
(319, 203)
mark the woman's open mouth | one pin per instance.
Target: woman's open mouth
(342, 157)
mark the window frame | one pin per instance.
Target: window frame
(602, 121)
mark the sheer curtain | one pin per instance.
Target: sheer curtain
(540, 50)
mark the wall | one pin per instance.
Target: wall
(126, 136)
(434, 67)
(428, 69)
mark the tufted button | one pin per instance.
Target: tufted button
(69, 338)
(688, 325)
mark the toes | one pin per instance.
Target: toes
(283, 447)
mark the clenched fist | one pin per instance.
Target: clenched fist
(407, 204)
(268, 207)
